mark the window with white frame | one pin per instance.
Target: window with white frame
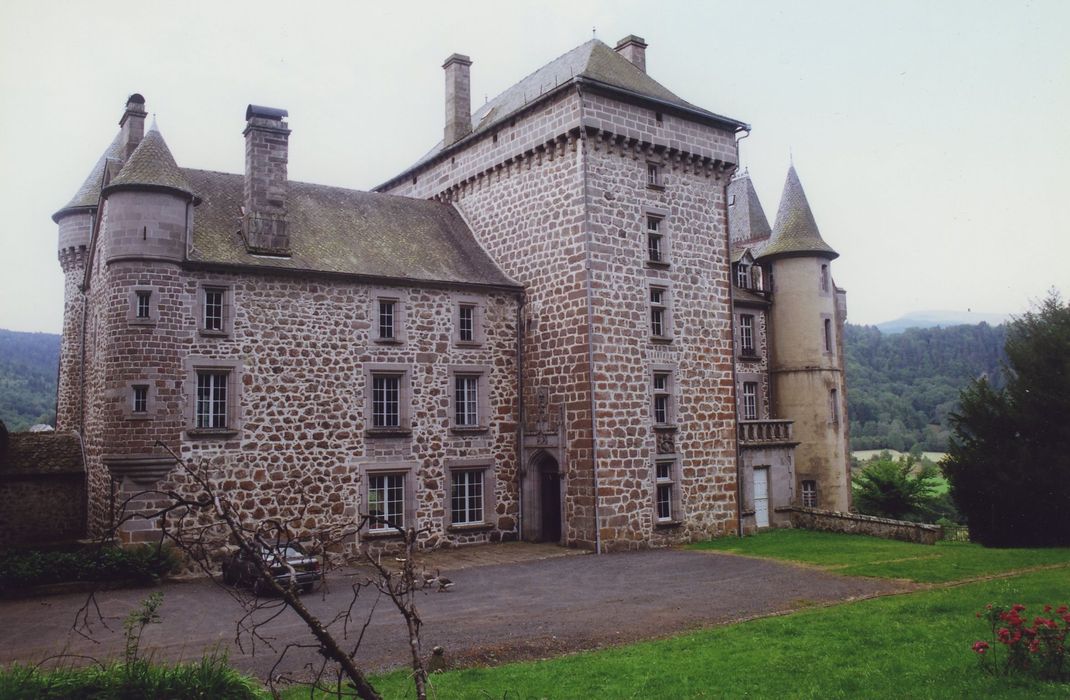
(388, 318)
(743, 275)
(386, 501)
(466, 323)
(655, 240)
(809, 493)
(658, 311)
(653, 175)
(144, 304)
(750, 400)
(466, 400)
(664, 485)
(466, 497)
(210, 411)
(386, 400)
(140, 398)
(746, 333)
(214, 299)
(662, 394)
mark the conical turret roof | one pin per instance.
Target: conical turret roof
(151, 166)
(89, 193)
(746, 219)
(795, 231)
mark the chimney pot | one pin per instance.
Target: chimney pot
(458, 98)
(267, 145)
(633, 48)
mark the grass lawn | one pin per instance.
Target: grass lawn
(915, 646)
(858, 555)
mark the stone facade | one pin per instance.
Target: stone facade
(562, 342)
(42, 488)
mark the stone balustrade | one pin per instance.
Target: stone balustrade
(765, 432)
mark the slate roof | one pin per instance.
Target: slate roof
(593, 60)
(42, 453)
(746, 218)
(151, 165)
(344, 231)
(795, 231)
(88, 194)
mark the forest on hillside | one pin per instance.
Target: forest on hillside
(901, 387)
(28, 367)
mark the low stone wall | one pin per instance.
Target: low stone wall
(832, 521)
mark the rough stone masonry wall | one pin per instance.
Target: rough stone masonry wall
(691, 200)
(74, 232)
(299, 350)
(41, 508)
(520, 190)
(831, 521)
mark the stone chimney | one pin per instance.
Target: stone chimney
(132, 124)
(458, 98)
(266, 154)
(633, 48)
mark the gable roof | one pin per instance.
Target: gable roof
(151, 166)
(592, 62)
(795, 232)
(89, 193)
(342, 231)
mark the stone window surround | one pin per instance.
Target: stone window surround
(128, 400)
(657, 180)
(479, 305)
(482, 372)
(675, 518)
(408, 471)
(154, 306)
(671, 391)
(400, 297)
(748, 352)
(490, 502)
(750, 378)
(834, 406)
(404, 372)
(667, 315)
(228, 307)
(750, 412)
(194, 364)
(825, 280)
(662, 215)
(803, 492)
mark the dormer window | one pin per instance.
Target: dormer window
(743, 275)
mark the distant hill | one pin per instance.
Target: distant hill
(901, 387)
(29, 363)
(941, 319)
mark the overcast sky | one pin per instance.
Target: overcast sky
(931, 137)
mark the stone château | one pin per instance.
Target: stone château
(570, 322)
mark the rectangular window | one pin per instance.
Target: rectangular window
(658, 312)
(663, 483)
(466, 497)
(653, 175)
(662, 398)
(466, 401)
(750, 400)
(746, 333)
(143, 308)
(387, 319)
(141, 399)
(213, 309)
(211, 408)
(809, 493)
(834, 406)
(655, 240)
(828, 335)
(742, 275)
(466, 323)
(824, 278)
(386, 401)
(386, 500)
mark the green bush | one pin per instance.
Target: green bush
(146, 563)
(211, 677)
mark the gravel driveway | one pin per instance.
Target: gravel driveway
(494, 613)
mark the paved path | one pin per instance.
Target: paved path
(496, 612)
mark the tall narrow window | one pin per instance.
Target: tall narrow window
(834, 405)
(828, 335)
(466, 497)
(213, 309)
(809, 493)
(386, 501)
(662, 398)
(653, 175)
(141, 399)
(387, 319)
(663, 481)
(466, 401)
(386, 401)
(658, 312)
(742, 275)
(466, 323)
(143, 300)
(824, 278)
(750, 400)
(211, 408)
(655, 240)
(746, 333)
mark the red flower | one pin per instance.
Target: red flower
(1017, 607)
(1062, 609)
(980, 647)
(1047, 608)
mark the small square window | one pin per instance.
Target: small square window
(140, 398)
(750, 400)
(466, 497)
(386, 501)
(144, 299)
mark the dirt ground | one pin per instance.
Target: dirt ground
(527, 607)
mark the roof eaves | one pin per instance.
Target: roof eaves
(689, 110)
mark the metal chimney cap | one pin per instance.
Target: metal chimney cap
(265, 113)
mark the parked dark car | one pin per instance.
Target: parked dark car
(240, 570)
